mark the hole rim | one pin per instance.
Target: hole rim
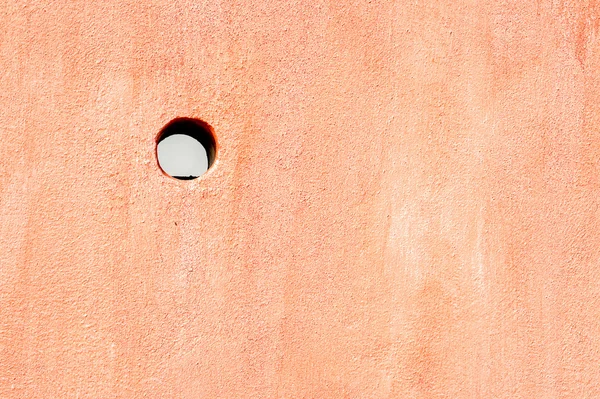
(205, 136)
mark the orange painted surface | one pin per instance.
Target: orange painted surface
(405, 203)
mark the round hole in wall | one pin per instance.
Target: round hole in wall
(186, 148)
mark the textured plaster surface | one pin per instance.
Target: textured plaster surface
(405, 203)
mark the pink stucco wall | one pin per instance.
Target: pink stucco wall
(405, 204)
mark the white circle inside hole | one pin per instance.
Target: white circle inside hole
(182, 156)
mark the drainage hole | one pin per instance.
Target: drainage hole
(186, 148)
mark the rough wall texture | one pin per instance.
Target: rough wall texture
(405, 203)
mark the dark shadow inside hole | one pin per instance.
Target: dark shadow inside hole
(198, 130)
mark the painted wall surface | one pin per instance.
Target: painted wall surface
(405, 203)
